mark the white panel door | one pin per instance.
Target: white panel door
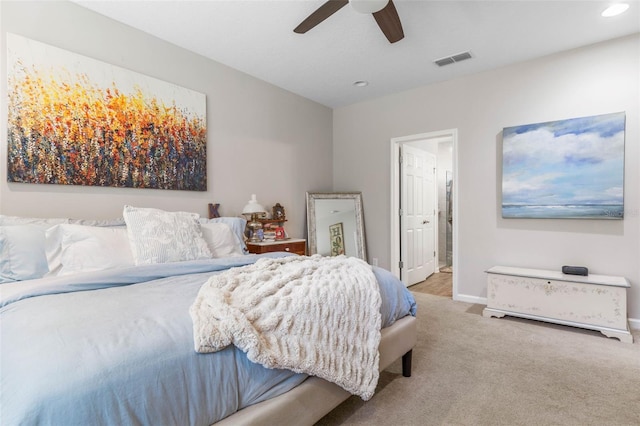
(418, 214)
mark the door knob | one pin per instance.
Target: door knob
(424, 222)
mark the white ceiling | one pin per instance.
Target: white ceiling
(256, 37)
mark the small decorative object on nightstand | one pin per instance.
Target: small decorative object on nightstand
(278, 212)
(274, 227)
(292, 245)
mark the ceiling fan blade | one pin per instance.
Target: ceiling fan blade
(389, 22)
(322, 13)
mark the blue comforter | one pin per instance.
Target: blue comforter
(116, 347)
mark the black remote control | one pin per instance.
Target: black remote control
(575, 270)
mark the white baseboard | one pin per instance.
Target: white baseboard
(470, 299)
(634, 323)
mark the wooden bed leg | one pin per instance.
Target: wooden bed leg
(406, 364)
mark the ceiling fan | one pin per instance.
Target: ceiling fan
(384, 12)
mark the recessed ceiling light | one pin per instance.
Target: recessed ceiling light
(361, 83)
(615, 9)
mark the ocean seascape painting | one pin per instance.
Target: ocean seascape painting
(73, 120)
(567, 169)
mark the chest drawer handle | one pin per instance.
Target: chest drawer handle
(286, 249)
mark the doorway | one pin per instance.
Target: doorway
(443, 145)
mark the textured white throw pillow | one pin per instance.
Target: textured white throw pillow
(77, 248)
(158, 236)
(221, 240)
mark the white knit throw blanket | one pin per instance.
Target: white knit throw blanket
(315, 315)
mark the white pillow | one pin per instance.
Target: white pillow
(22, 252)
(78, 248)
(237, 224)
(98, 222)
(20, 220)
(157, 236)
(221, 240)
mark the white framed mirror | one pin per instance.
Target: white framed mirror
(335, 224)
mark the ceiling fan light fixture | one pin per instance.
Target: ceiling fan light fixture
(384, 12)
(368, 6)
(615, 9)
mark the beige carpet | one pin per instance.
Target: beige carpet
(470, 370)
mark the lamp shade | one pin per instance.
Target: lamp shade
(253, 206)
(368, 6)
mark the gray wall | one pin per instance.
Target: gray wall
(247, 118)
(260, 138)
(597, 79)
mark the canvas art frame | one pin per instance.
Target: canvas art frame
(565, 169)
(74, 120)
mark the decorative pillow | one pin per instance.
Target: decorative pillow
(221, 240)
(157, 236)
(74, 248)
(22, 252)
(237, 224)
(98, 222)
(18, 220)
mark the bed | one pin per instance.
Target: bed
(96, 328)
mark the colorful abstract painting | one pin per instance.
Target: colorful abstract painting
(565, 169)
(73, 120)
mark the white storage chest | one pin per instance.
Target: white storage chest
(596, 302)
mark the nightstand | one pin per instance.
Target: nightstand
(291, 245)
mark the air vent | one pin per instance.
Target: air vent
(453, 59)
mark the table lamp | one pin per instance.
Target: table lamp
(254, 209)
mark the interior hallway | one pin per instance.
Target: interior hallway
(438, 284)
